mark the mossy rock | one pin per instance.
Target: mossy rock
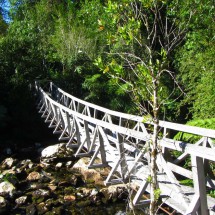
(37, 199)
(34, 169)
(90, 181)
(69, 190)
(84, 203)
(42, 208)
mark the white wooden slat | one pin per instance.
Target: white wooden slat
(185, 155)
(140, 192)
(199, 151)
(180, 170)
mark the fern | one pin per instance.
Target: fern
(191, 138)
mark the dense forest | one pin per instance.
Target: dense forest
(111, 53)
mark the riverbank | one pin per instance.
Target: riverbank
(50, 180)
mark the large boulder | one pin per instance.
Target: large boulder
(51, 151)
(57, 153)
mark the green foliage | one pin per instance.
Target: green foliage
(191, 138)
(187, 182)
(212, 193)
(195, 59)
(149, 179)
(10, 178)
(157, 194)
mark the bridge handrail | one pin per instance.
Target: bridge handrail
(120, 129)
(102, 109)
(168, 125)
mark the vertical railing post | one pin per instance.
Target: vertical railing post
(121, 150)
(87, 132)
(102, 147)
(165, 151)
(199, 184)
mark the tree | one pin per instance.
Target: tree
(195, 59)
(141, 37)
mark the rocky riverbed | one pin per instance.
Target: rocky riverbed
(50, 180)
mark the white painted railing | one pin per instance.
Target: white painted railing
(122, 141)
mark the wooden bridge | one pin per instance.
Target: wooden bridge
(121, 141)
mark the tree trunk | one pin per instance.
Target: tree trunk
(153, 158)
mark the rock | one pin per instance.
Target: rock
(8, 163)
(40, 193)
(33, 186)
(94, 192)
(74, 180)
(114, 192)
(31, 210)
(88, 174)
(34, 176)
(21, 200)
(42, 208)
(8, 171)
(7, 188)
(51, 151)
(86, 191)
(3, 205)
(80, 195)
(57, 152)
(52, 187)
(69, 163)
(59, 165)
(25, 164)
(70, 198)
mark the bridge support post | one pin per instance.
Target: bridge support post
(199, 184)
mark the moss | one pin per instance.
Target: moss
(37, 200)
(90, 181)
(84, 203)
(69, 190)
